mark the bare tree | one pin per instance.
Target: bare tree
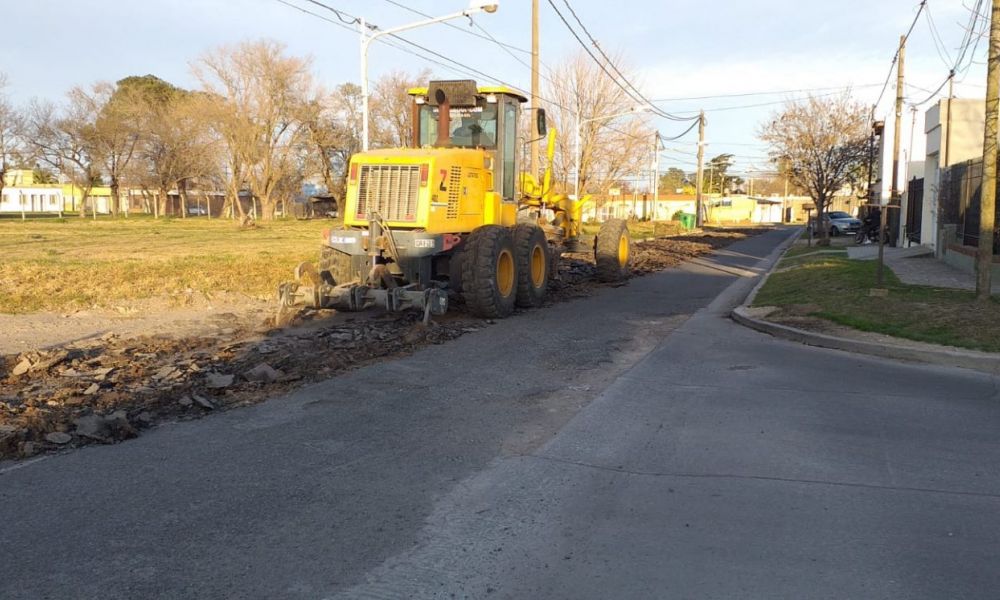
(64, 139)
(11, 139)
(823, 142)
(391, 107)
(332, 122)
(611, 149)
(230, 137)
(176, 146)
(263, 92)
(115, 130)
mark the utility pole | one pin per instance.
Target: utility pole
(947, 132)
(656, 170)
(893, 185)
(701, 170)
(987, 206)
(897, 131)
(534, 87)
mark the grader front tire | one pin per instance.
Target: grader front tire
(613, 251)
(532, 253)
(489, 272)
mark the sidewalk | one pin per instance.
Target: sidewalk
(916, 265)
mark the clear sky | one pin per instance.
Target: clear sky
(677, 48)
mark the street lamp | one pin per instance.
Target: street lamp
(474, 7)
(579, 124)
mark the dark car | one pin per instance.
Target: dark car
(839, 222)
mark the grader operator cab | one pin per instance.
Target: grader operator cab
(451, 215)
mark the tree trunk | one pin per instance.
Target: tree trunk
(93, 205)
(115, 199)
(182, 197)
(824, 234)
(162, 199)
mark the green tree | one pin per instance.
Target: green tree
(719, 179)
(674, 179)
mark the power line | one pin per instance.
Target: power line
(381, 40)
(682, 134)
(462, 68)
(769, 93)
(970, 39)
(600, 65)
(466, 31)
(970, 34)
(504, 48)
(611, 63)
(760, 104)
(939, 45)
(344, 17)
(895, 57)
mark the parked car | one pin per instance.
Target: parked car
(839, 222)
(197, 210)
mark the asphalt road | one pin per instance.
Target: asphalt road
(634, 444)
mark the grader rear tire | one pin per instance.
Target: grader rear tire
(335, 266)
(613, 251)
(532, 253)
(489, 272)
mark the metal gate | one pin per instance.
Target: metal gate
(914, 209)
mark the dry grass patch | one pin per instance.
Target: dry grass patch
(51, 265)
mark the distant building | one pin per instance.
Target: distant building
(638, 205)
(22, 194)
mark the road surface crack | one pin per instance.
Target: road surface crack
(685, 475)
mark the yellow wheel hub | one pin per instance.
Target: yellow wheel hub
(537, 266)
(505, 273)
(623, 249)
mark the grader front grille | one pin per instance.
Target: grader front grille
(454, 186)
(389, 190)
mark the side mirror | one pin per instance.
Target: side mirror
(540, 121)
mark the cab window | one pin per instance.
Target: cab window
(509, 148)
(471, 127)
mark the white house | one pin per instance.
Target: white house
(954, 135)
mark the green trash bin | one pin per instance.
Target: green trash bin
(687, 221)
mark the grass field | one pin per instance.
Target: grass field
(637, 230)
(60, 264)
(835, 288)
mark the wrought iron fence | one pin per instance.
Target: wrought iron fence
(959, 201)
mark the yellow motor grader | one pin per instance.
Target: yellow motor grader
(450, 215)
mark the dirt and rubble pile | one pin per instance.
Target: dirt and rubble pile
(109, 389)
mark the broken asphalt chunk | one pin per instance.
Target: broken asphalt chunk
(263, 373)
(58, 437)
(218, 380)
(203, 402)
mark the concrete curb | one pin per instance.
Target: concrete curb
(936, 355)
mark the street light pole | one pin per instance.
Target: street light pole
(576, 153)
(366, 40)
(699, 201)
(656, 170)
